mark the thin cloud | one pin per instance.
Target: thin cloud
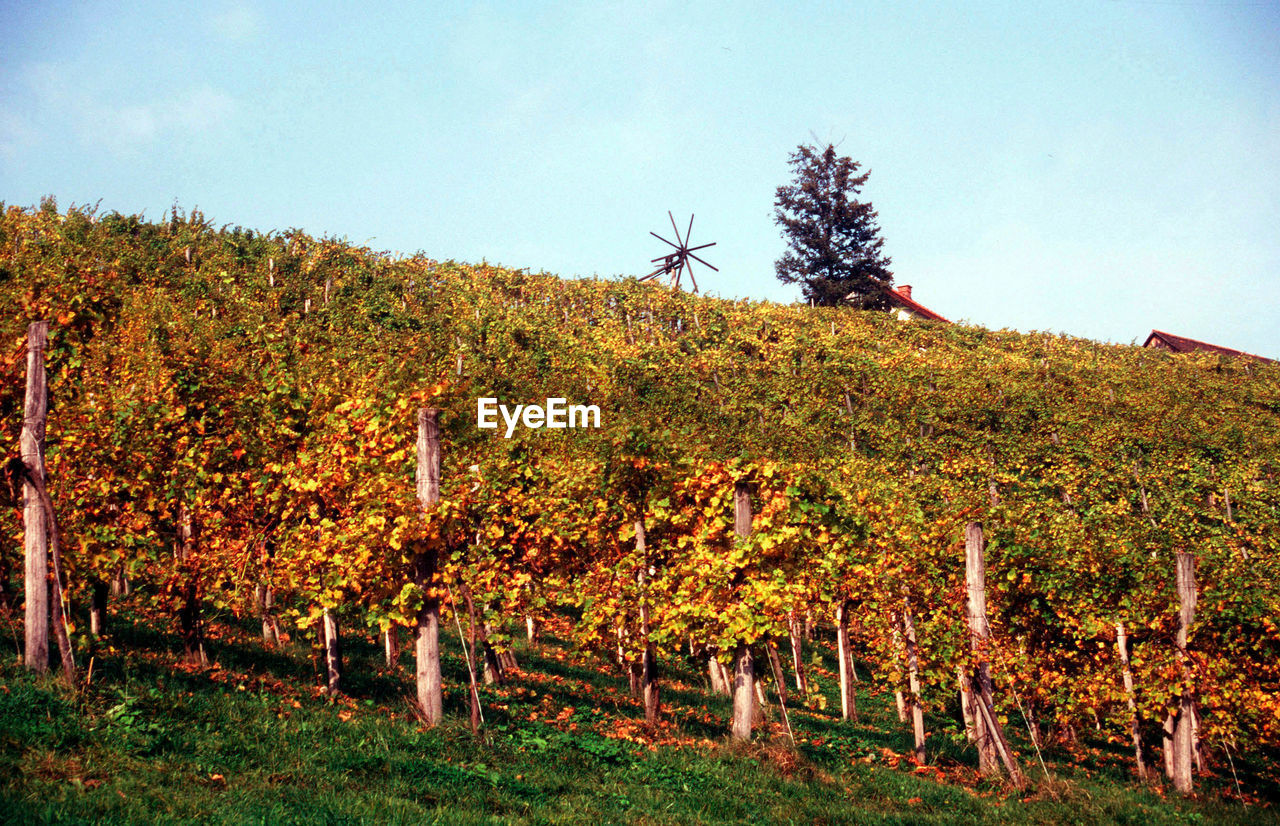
(121, 127)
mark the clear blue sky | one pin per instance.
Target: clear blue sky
(1095, 167)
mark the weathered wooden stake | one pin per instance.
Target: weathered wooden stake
(332, 653)
(427, 641)
(507, 658)
(649, 663)
(35, 530)
(620, 655)
(1167, 744)
(966, 704)
(62, 621)
(1195, 738)
(1184, 719)
(987, 713)
(762, 702)
(98, 607)
(744, 695)
(899, 699)
(492, 663)
(975, 579)
(1126, 672)
(189, 620)
(990, 735)
(776, 662)
(744, 699)
(120, 586)
(848, 699)
(721, 682)
(265, 598)
(797, 655)
(391, 646)
(913, 678)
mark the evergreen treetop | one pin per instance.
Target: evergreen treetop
(834, 247)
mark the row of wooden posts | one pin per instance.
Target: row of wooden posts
(43, 575)
(977, 701)
(982, 724)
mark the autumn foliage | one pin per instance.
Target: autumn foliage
(264, 387)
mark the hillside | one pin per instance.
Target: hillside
(232, 434)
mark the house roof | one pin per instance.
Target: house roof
(1181, 344)
(902, 298)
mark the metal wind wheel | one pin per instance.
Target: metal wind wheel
(675, 263)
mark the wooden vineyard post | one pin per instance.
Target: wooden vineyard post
(34, 481)
(493, 667)
(742, 510)
(776, 662)
(966, 704)
(391, 646)
(913, 677)
(1122, 646)
(992, 744)
(744, 673)
(762, 702)
(629, 669)
(507, 657)
(40, 525)
(332, 653)
(35, 530)
(720, 682)
(264, 599)
(427, 641)
(744, 695)
(120, 585)
(189, 619)
(649, 662)
(98, 607)
(848, 697)
(797, 655)
(1198, 758)
(726, 677)
(975, 581)
(1184, 720)
(899, 699)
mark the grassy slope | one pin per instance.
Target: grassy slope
(252, 741)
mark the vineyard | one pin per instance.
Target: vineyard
(1043, 538)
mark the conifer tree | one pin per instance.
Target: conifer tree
(833, 241)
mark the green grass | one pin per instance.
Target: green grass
(252, 741)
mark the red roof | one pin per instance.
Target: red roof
(898, 299)
(1180, 344)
